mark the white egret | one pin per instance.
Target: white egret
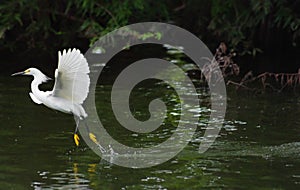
(70, 89)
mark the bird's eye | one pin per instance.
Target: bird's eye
(27, 71)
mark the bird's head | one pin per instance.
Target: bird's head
(30, 71)
(34, 72)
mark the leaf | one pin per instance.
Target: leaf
(158, 35)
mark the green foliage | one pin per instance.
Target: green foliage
(248, 23)
(44, 24)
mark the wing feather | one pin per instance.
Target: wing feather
(71, 77)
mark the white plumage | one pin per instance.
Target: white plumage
(72, 80)
(70, 89)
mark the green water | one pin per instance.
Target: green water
(258, 147)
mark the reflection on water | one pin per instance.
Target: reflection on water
(258, 146)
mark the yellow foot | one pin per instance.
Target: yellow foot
(76, 139)
(93, 138)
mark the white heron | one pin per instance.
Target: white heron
(70, 89)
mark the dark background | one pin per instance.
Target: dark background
(264, 34)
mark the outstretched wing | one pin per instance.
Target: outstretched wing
(71, 77)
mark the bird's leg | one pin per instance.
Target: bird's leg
(93, 138)
(91, 135)
(76, 137)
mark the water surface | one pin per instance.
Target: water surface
(258, 147)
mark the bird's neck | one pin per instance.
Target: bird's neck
(35, 86)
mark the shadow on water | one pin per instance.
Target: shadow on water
(258, 146)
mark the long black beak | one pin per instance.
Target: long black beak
(18, 73)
